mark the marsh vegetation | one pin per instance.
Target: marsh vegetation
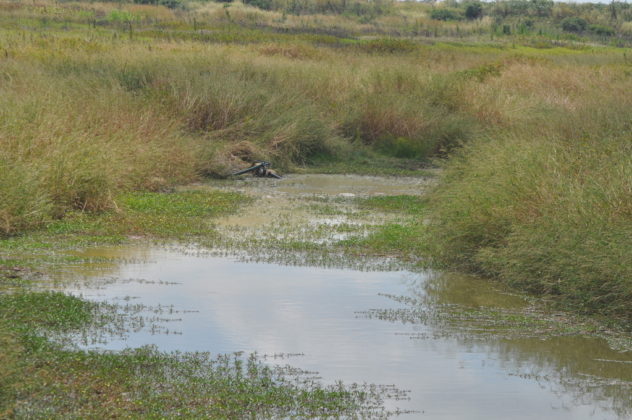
(286, 276)
(106, 108)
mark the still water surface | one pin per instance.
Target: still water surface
(223, 305)
(326, 318)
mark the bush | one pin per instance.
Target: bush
(473, 10)
(445, 14)
(601, 30)
(261, 4)
(171, 4)
(574, 24)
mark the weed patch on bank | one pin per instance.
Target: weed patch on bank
(178, 215)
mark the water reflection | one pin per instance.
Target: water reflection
(585, 370)
(427, 337)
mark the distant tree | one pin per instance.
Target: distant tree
(613, 11)
(574, 24)
(473, 10)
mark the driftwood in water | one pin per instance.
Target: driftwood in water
(260, 169)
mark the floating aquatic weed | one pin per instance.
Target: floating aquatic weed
(480, 323)
(112, 321)
(279, 356)
(237, 386)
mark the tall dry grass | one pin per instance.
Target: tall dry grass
(544, 202)
(75, 141)
(88, 115)
(538, 194)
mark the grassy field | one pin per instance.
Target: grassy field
(99, 98)
(104, 107)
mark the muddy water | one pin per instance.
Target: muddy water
(458, 344)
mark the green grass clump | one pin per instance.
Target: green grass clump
(403, 239)
(549, 216)
(175, 214)
(50, 310)
(183, 203)
(23, 206)
(180, 214)
(400, 240)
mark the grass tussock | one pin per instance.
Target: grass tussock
(548, 209)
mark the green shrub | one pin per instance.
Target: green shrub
(473, 10)
(574, 24)
(601, 30)
(445, 14)
(261, 4)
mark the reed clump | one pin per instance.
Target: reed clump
(545, 203)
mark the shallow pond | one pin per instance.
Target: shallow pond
(439, 336)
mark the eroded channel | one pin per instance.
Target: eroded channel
(461, 346)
